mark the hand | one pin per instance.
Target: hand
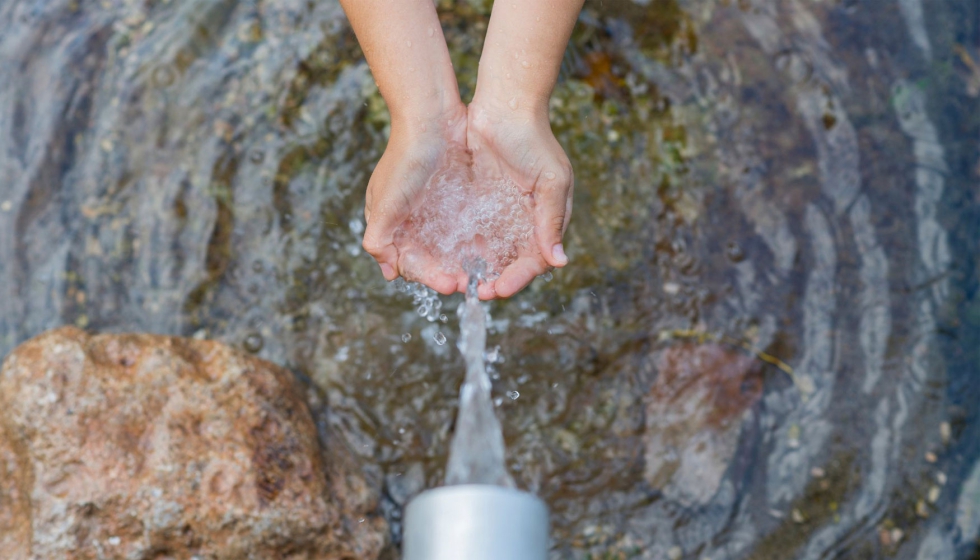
(416, 150)
(519, 145)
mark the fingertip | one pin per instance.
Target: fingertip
(388, 271)
(444, 284)
(558, 257)
(486, 291)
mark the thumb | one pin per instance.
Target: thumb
(382, 220)
(552, 210)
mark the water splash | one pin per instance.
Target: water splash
(463, 214)
(425, 300)
(476, 454)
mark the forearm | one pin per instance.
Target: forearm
(522, 53)
(406, 50)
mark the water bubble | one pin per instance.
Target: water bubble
(443, 318)
(513, 395)
(439, 338)
(406, 337)
(253, 342)
(356, 226)
(493, 356)
(498, 401)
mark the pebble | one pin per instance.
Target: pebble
(945, 432)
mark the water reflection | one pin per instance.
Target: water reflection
(797, 178)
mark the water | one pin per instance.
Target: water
(476, 454)
(755, 181)
(465, 213)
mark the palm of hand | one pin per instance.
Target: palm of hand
(524, 152)
(411, 222)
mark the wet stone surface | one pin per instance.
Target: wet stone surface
(782, 192)
(140, 446)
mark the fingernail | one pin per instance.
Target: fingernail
(559, 253)
(388, 272)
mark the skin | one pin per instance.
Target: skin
(505, 128)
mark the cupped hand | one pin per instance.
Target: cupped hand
(417, 149)
(520, 146)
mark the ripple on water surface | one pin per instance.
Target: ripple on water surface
(765, 345)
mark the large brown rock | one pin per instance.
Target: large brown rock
(139, 446)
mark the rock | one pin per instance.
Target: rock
(694, 416)
(142, 446)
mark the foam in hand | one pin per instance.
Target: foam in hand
(462, 216)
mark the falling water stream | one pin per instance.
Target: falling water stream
(476, 454)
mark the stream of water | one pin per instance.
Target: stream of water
(476, 454)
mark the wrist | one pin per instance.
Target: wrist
(436, 116)
(512, 89)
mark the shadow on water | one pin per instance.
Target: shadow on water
(768, 341)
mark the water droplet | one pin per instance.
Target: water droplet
(431, 31)
(493, 356)
(512, 103)
(424, 128)
(550, 175)
(253, 342)
(408, 43)
(498, 401)
(508, 75)
(547, 276)
(406, 337)
(439, 338)
(356, 226)
(443, 318)
(525, 64)
(256, 156)
(513, 395)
